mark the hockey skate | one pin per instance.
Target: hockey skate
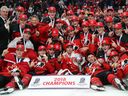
(125, 80)
(119, 84)
(98, 88)
(6, 91)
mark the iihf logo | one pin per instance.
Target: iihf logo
(36, 82)
(82, 80)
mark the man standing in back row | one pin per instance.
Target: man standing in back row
(4, 35)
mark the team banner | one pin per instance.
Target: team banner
(70, 81)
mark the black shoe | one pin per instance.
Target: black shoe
(6, 91)
(98, 88)
(119, 84)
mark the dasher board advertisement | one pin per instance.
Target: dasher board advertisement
(70, 81)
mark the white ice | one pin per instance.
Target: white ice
(110, 91)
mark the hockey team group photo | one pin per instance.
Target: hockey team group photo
(63, 44)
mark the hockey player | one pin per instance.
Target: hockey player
(25, 40)
(72, 60)
(73, 37)
(85, 38)
(75, 23)
(124, 65)
(41, 66)
(101, 33)
(92, 26)
(16, 29)
(16, 13)
(118, 62)
(55, 37)
(61, 26)
(107, 48)
(67, 16)
(85, 35)
(52, 15)
(53, 58)
(120, 41)
(100, 74)
(19, 10)
(36, 33)
(14, 68)
(109, 26)
(124, 19)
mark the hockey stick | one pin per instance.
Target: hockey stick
(14, 69)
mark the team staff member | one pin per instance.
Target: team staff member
(4, 35)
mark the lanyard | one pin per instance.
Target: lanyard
(90, 65)
(72, 39)
(85, 38)
(61, 33)
(106, 58)
(21, 32)
(52, 21)
(24, 43)
(118, 41)
(101, 38)
(18, 60)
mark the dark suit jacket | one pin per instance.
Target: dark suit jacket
(4, 36)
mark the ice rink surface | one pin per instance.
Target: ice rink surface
(110, 91)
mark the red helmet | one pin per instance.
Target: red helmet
(92, 22)
(82, 11)
(85, 7)
(109, 19)
(99, 24)
(68, 44)
(106, 41)
(81, 16)
(114, 53)
(40, 48)
(23, 17)
(125, 14)
(60, 21)
(20, 8)
(52, 9)
(70, 7)
(121, 15)
(55, 32)
(69, 28)
(70, 12)
(74, 18)
(27, 30)
(50, 46)
(20, 47)
(118, 26)
(85, 23)
(57, 47)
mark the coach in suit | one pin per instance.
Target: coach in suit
(4, 34)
